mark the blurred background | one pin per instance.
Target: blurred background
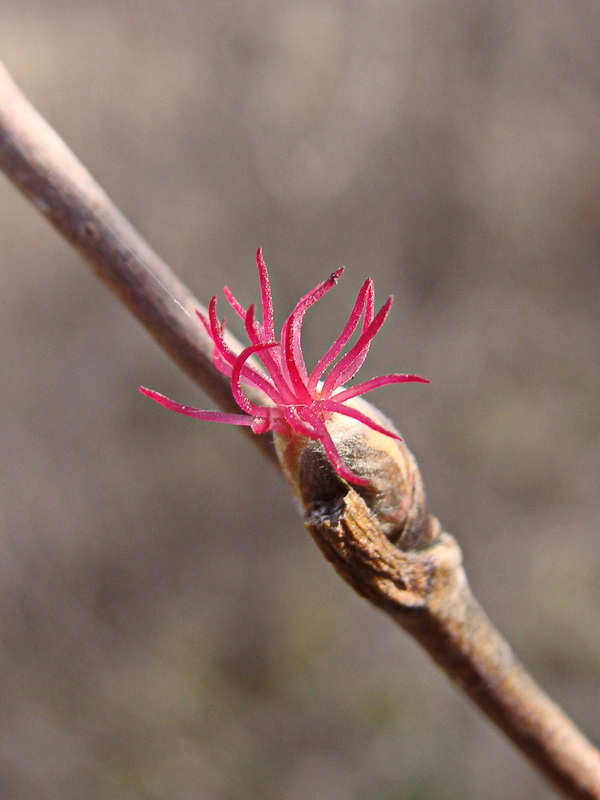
(167, 628)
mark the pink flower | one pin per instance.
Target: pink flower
(300, 403)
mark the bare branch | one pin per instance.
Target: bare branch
(426, 592)
(41, 165)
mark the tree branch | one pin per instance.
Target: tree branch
(426, 592)
(41, 165)
(423, 587)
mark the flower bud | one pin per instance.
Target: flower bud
(393, 489)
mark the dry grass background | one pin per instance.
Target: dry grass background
(167, 629)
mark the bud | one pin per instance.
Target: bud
(392, 489)
(326, 436)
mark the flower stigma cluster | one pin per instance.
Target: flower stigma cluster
(303, 408)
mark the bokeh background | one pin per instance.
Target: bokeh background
(167, 628)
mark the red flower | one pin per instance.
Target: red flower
(300, 403)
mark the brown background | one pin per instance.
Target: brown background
(167, 629)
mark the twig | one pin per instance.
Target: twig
(41, 165)
(423, 587)
(426, 592)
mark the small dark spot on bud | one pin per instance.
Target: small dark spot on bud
(319, 483)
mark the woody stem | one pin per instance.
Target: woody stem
(46, 171)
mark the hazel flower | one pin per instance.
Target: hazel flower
(300, 404)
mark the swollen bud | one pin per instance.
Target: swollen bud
(390, 484)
